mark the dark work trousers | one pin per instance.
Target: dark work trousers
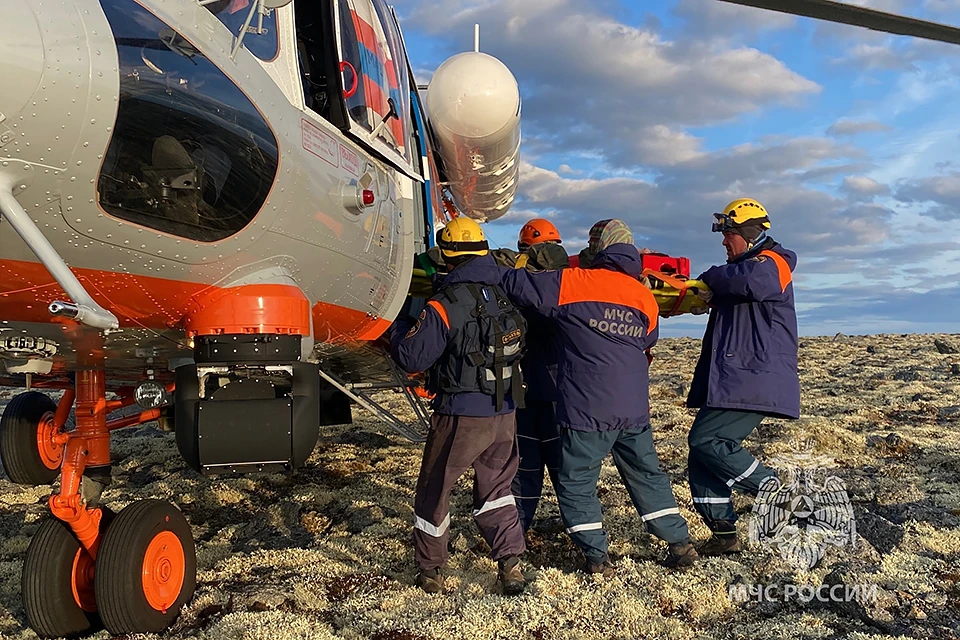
(719, 464)
(648, 486)
(538, 440)
(455, 444)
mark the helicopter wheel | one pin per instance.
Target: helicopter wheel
(146, 568)
(29, 453)
(57, 582)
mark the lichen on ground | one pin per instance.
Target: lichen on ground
(325, 552)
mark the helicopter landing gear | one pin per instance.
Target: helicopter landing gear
(131, 573)
(31, 437)
(146, 568)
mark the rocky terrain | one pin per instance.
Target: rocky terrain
(325, 553)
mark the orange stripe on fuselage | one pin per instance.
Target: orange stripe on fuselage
(783, 269)
(441, 310)
(608, 287)
(26, 288)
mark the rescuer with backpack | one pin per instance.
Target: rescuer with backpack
(470, 339)
(538, 438)
(747, 368)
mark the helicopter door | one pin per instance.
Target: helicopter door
(376, 87)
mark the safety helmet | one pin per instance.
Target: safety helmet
(743, 212)
(536, 231)
(462, 236)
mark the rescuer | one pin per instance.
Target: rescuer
(470, 337)
(538, 438)
(747, 367)
(605, 319)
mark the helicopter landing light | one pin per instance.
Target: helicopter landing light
(150, 394)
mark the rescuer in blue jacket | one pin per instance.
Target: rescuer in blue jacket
(605, 320)
(747, 367)
(538, 438)
(470, 338)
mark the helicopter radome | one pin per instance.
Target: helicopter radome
(473, 102)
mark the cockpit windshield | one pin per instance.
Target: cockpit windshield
(190, 154)
(233, 14)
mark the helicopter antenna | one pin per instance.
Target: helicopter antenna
(476, 38)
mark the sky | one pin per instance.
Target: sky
(659, 112)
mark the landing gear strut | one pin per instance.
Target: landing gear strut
(131, 573)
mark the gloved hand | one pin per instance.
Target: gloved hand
(431, 261)
(706, 296)
(698, 311)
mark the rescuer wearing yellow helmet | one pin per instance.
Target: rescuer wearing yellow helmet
(470, 337)
(747, 368)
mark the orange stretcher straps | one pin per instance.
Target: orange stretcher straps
(783, 269)
(439, 308)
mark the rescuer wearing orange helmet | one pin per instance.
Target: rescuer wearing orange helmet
(538, 438)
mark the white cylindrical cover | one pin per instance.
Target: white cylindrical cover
(473, 103)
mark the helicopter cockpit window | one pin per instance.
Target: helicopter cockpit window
(376, 86)
(190, 154)
(233, 14)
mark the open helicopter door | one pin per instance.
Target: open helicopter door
(376, 85)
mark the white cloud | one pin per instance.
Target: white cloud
(943, 191)
(593, 83)
(864, 186)
(723, 20)
(853, 127)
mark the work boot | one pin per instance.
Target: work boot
(604, 567)
(430, 580)
(510, 576)
(720, 545)
(723, 542)
(681, 555)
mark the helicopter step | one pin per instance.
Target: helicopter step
(247, 404)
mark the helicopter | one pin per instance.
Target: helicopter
(210, 212)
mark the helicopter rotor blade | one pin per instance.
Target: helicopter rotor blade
(843, 13)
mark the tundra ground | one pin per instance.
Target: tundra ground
(325, 553)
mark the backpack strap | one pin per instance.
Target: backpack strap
(498, 358)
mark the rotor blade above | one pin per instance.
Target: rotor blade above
(859, 16)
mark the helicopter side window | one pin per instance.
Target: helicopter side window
(370, 46)
(312, 56)
(190, 154)
(233, 14)
(354, 92)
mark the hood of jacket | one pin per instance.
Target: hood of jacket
(623, 258)
(480, 270)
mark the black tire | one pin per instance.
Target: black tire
(19, 449)
(121, 597)
(46, 584)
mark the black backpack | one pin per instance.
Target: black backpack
(487, 340)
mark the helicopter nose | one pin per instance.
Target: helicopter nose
(21, 61)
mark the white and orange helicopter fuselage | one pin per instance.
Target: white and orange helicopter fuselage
(196, 194)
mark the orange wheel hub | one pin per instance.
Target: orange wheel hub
(163, 571)
(51, 451)
(82, 581)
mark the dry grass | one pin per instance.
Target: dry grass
(324, 553)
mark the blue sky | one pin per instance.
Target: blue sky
(661, 111)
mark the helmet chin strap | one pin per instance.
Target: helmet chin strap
(759, 240)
